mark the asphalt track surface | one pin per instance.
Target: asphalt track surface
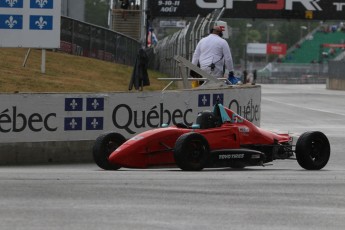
(281, 196)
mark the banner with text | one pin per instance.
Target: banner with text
(266, 48)
(72, 117)
(280, 9)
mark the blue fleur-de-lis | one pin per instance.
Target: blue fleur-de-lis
(11, 22)
(41, 23)
(11, 3)
(41, 3)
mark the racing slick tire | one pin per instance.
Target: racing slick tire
(313, 150)
(191, 152)
(105, 144)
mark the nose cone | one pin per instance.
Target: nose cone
(128, 156)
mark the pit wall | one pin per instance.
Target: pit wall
(335, 83)
(336, 78)
(62, 128)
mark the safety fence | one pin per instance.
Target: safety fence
(182, 43)
(282, 73)
(84, 39)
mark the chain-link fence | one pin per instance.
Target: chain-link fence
(182, 43)
(84, 39)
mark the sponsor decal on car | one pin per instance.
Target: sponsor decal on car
(256, 156)
(231, 156)
(136, 138)
(243, 129)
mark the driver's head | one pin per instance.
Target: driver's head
(207, 120)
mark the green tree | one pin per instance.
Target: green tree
(254, 36)
(96, 12)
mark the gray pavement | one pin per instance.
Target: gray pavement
(281, 196)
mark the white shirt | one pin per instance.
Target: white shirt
(213, 49)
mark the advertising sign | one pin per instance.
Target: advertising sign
(279, 49)
(173, 23)
(72, 117)
(280, 9)
(342, 46)
(256, 48)
(266, 48)
(30, 23)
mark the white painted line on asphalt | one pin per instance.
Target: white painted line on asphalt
(303, 107)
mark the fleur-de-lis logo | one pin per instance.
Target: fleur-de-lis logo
(95, 104)
(11, 22)
(41, 3)
(73, 123)
(94, 123)
(73, 104)
(11, 3)
(41, 23)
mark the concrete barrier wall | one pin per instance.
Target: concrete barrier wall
(335, 83)
(61, 128)
(46, 152)
(336, 79)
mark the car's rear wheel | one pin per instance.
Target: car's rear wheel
(191, 152)
(313, 150)
(105, 144)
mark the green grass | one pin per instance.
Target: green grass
(65, 73)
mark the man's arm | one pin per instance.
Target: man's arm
(196, 55)
(227, 57)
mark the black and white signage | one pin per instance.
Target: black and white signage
(280, 9)
(72, 117)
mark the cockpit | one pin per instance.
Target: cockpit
(216, 118)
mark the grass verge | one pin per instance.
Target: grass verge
(65, 73)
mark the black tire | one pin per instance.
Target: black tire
(191, 152)
(105, 144)
(313, 150)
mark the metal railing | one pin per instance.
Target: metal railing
(84, 39)
(182, 43)
(293, 73)
(182, 75)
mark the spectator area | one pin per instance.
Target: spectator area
(309, 50)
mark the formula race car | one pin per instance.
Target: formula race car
(219, 138)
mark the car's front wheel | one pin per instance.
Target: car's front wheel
(313, 150)
(106, 144)
(191, 152)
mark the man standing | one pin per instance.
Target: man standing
(212, 52)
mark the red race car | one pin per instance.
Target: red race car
(220, 138)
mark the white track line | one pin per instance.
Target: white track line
(307, 108)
